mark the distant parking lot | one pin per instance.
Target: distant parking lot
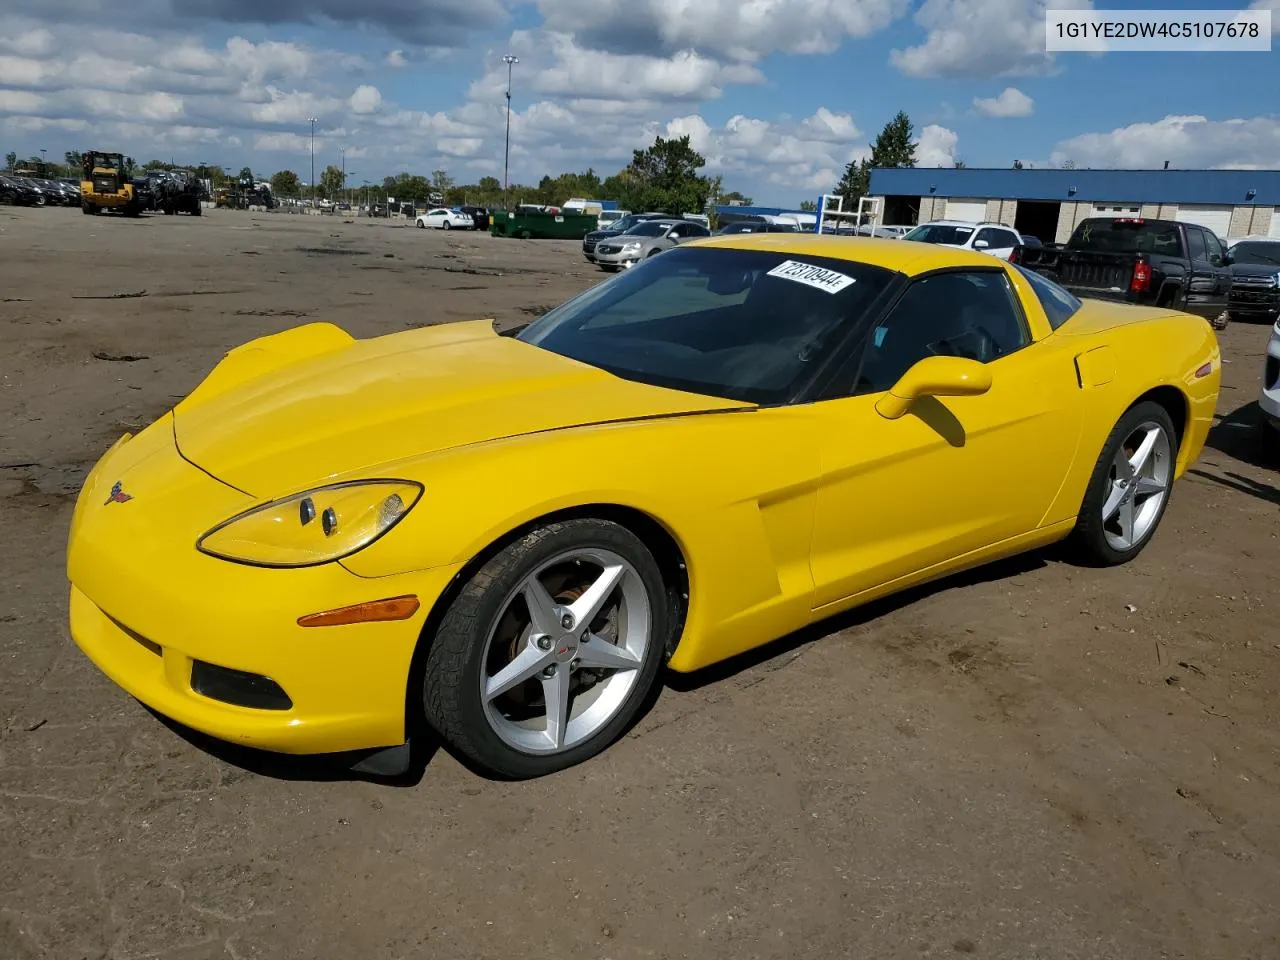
(1030, 761)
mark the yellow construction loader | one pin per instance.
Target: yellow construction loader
(106, 183)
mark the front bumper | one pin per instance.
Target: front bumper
(607, 258)
(146, 606)
(1259, 302)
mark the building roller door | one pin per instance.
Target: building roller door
(974, 211)
(1217, 219)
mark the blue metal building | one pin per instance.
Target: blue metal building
(1049, 203)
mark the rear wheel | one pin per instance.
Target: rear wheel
(88, 209)
(1129, 489)
(448, 225)
(550, 650)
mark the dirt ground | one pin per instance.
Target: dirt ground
(1032, 761)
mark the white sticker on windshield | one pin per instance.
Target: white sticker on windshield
(818, 277)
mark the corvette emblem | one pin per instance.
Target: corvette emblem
(117, 494)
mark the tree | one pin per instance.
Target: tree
(733, 197)
(665, 178)
(854, 184)
(441, 181)
(893, 146)
(331, 181)
(74, 160)
(1068, 165)
(10, 161)
(1017, 164)
(959, 164)
(808, 206)
(285, 183)
(246, 174)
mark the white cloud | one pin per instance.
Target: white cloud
(366, 99)
(745, 30)
(396, 58)
(1274, 7)
(555, 65)
(1012, 102)
(981, 38)
(29, 43)
(936, 147)
(1185, 141)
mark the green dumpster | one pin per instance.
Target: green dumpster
(542, 226)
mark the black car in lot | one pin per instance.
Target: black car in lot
(479, 216)
(616, 228)
(1162, 263)
(1255, 280)
(18, 193)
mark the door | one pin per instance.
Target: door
(1274, 232)
(1217, 219)
(996, 241)
(971, 211)
(1207, 287)
(955, 474)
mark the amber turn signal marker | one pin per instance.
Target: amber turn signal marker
(393, 608)
(1205, 370)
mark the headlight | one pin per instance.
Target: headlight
(631, 248)
(313, 527)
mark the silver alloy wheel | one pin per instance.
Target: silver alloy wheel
(1140, 476)
(565, 651)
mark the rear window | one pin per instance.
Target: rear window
(1059, 305)
(940, 233)
(1121, 236)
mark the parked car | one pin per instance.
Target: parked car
(1029, 241)
(699, 475)
(479, 216)
(753, 226)
(1255, 280)
(1269, 396)
(645, 240)
(593, 238)
(441, 218)
(607, 218)
(1163, 263)
(16, 191)
(993, 238)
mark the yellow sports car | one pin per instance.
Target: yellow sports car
(512, 536)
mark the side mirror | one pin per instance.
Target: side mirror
(934, 377)
(980, 244)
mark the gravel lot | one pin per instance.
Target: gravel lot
(1031, 761)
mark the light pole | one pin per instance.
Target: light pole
(44, 167)
(313, 121)
(510, 61)
(343, 151)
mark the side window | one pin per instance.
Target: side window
(971, 314)
(1216, 251)
(988, 236)
(1059, 305)
(1009, 239)
(1195, 244)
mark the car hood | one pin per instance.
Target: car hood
(602, 234)
(301, 407)
(1254, 270)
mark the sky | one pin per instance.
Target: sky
(778, 95)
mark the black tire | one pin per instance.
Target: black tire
(451, 693)
(448, 225)
(652, 253)
(1089, 537)
(88, 209)
(421, 225)
(197, 210)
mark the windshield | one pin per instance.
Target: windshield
(1266, 254)
(1127, 236)
(940, 233)
(649, 228)
(747, 325)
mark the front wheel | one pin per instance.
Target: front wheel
(448, 225)
(550, 650)
(1129, 488)
(421, 225)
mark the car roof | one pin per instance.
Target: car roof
(903, 256)
(965, 223)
